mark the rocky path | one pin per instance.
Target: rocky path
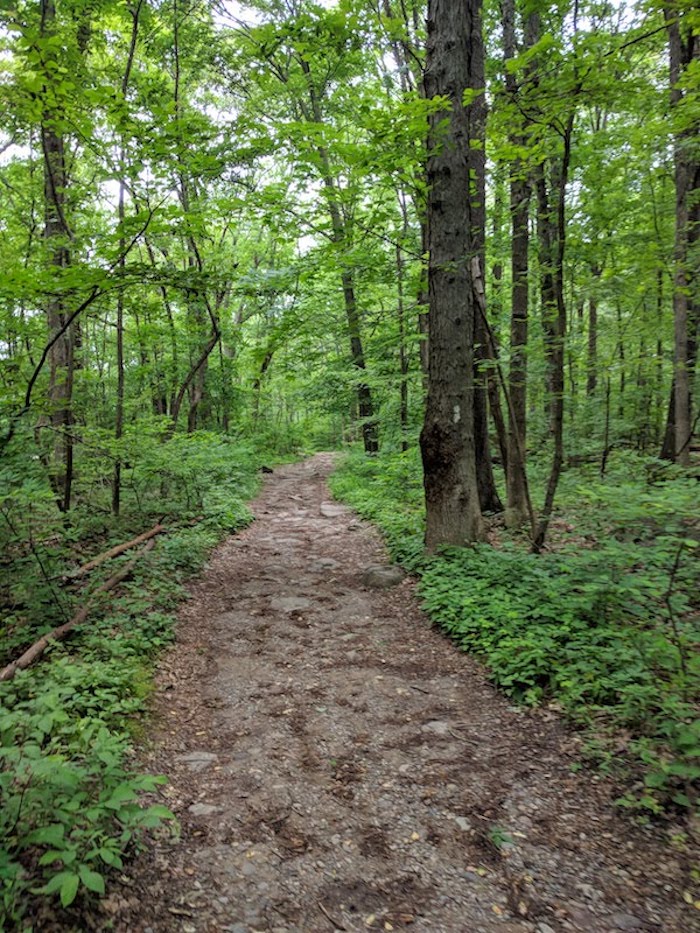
(338, 765)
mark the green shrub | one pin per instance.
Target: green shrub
(71, 806)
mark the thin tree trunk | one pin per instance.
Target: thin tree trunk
(57, 236)
(606, 435)
(517, 513)
(489, 499)
(119, 414)
(406, 52)
(592, 358)
(171, 379)
(546, 255)
(225, 398)
(424, 307)
(257, 382)
(668, 445)
(621, 357)
(341, 239)
(659, 368)
(190, 377)
(558, 347)
(488, 493)
(494, 398)
(403, 355)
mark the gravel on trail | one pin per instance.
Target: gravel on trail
(337, 764)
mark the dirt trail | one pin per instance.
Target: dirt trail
(339, 765)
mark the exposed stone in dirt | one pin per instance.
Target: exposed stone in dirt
(383, 578)
(197, 761)
(357, 771)
(202, 809)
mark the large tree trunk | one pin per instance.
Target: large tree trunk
(454, 60)
(684, 50)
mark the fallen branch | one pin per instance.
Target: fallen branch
(336, 923)
(60, 633)
(114, 552)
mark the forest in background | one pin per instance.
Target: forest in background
(215, 255)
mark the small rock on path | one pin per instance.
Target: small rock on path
(339, 765)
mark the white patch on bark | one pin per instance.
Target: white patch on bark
(456, 414)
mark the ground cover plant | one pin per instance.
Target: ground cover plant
(603, 624)
(71, 808)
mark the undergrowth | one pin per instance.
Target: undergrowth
(603, 625)
(70, 802)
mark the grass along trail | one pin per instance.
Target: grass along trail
(337, 764)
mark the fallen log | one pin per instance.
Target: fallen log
(114, 552)
(60, 633)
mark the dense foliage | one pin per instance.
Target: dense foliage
(70, 800)
(603, 625)
(214, 233)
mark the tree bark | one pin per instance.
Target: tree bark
(684, 50)
(57, 236)
(592, 359)
(119, 414)
(555, 231)
(489, 499)
(546, 256)
(516, 513)
(518, 509)
(403, 354)
(488, 493)
(454, 59)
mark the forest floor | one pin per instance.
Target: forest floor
(337, 764)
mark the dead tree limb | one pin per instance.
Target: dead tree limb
(114, 552)
(60, 633)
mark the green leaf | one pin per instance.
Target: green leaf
(48, 835)
(52, 885)
(161, 812)
(92, 880)
(121, 794)
(69, 888)
(109, 857)
(53, 855)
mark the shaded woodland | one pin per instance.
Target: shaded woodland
(233, 235)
